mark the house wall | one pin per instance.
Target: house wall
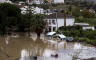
(38, 10)
(69, 21)
(60, 22)
(2, 1)
(89, 28)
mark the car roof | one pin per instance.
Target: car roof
(62, 36)
(51, 33)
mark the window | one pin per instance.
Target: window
(53, 21)
(49, 21)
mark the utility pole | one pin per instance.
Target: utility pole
(56, 21)
(64, 19)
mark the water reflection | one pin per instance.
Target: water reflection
(24, 53)
(34, 37)
(81, 46)
(23, 46)
(48, 52)
(15, 35)
(7, 39)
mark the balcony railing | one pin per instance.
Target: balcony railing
(52, 23)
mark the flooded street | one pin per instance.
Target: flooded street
(21, 47)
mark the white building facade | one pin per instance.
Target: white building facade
(85, 26)
(36, 10)
(54, 23)
(2, 1)
(58, 1)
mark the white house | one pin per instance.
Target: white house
(53, 22)
(35, 1)
(2, 1)
(58, 1)
(36, 10)
(6, 1)
(85, 26)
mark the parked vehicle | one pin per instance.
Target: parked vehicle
(50, 34)
(70, 39)
(61, 37)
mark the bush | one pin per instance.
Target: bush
(44, 6)
(75, 33)
(83, 40)
(54, 4)
(76, 38)
(78, 27)
(58, 32)
(66, 33)
(1, 32)
(93, 42)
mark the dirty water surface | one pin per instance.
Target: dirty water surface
(19, 46)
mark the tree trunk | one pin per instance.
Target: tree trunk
(28, 32)
(38, 34)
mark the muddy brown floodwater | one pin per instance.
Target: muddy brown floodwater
(19, 46)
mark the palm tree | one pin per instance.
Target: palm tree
(38, 24)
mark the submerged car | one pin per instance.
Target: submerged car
(70, 39)
(61, 37)
(50, 34)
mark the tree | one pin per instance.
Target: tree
(24, 22)
(44, 6)
(88, 14)
(10, 15)
(29, 17)
(2, 22)
(85, 13)
(39, 24)
(76, 11)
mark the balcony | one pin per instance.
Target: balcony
(52, 24)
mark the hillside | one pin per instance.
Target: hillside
(64, 0)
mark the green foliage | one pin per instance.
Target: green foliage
(76, 38)
(54, 4)
(83, 40)
(25, 22)
(58, 32)
(9, 15)
(93, 42)
(1, 32)
(91, 21)
(88, 14)
(78, 27)
(81, 32)
(76, 11)
(90, 34)
(44, 6)
(75, 33)
(66, 33)
(38, 23)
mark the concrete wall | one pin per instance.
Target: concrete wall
(88, 28)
